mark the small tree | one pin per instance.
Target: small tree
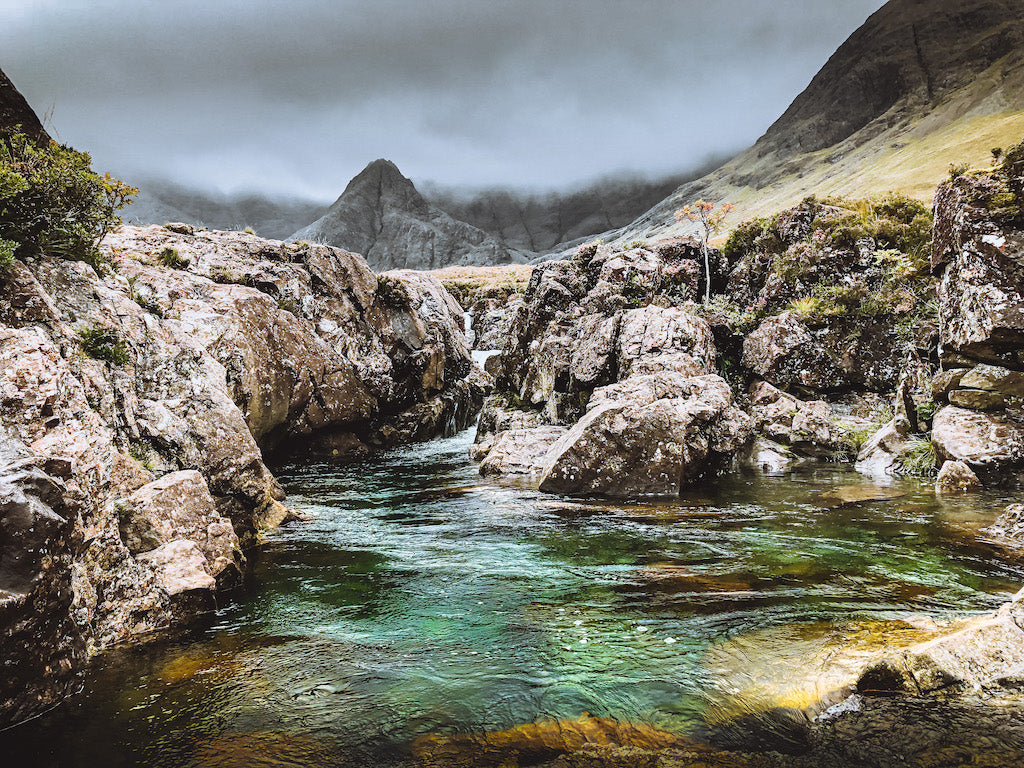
(710, 220)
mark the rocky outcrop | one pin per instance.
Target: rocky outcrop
(599, 350)
(381, 216)
(978, 249)
(647, 435)
(15, 112)
(149, 395)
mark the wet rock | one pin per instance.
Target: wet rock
(979, 653)
(766, 456)
(535, 742)
(520, 451)
(883, 452)
(1010, 524)
(43, 648)
(646, 436)
(956, 477)
(810, 429)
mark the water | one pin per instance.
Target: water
(420, 598)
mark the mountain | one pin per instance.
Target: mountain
(920, 84)
(543, 222)
(15, 111)
(162, 201)
(382, 216)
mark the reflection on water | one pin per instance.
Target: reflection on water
(419, 598)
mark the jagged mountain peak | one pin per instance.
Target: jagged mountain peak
(15, 111)
(382, 216)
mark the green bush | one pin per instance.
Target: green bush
(103, 344)
(51, 201)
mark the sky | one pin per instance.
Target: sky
(296, 98)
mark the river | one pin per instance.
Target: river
(417, 597)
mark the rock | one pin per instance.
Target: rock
(766, 456)
(956, 477)
(539, 741)
(783, 352)
(945, 382)
(816, 431)
(810, 429)
(654, 339)
(180, 567)
(520, 451)
(990, 444)
(985, 652)
(179, 506)
(43, 647)
(981, 294)
(883, 452)
(492, 320)
(992, 378)
(1010, 524)
(646, 436)
(977, 399)
(382, 216)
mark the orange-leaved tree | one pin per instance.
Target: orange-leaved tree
(709, 219)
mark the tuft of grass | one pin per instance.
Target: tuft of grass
(103, 344)
(169, 257)
(920, 458)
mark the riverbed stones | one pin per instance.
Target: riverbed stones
(956, 477)
(646, 436)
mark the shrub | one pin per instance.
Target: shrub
(51, 201)
(103, 344)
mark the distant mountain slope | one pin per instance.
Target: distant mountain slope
(161, 201)
(382, 216)
(921, 84)
(542, 222)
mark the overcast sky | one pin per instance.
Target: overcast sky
(297, 97)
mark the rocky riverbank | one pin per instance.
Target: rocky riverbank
(137, 405)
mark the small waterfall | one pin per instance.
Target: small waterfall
(467, 323)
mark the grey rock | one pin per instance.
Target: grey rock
(382, 216)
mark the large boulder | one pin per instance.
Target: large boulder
(991, 444)
(646, 436)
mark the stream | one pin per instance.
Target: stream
(419, 598)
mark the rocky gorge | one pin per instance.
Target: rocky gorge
(138, 404)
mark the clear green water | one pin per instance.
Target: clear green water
(420, 598)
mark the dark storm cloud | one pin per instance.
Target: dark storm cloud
(297, 97)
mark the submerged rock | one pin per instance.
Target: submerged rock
(956, 477)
